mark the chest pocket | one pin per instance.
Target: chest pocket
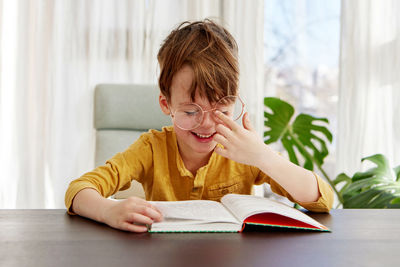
(215, 192)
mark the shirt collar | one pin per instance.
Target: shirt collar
(181, 166)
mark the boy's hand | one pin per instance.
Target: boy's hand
(241, 144)
(132, 214)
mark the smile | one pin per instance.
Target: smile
(203, 136)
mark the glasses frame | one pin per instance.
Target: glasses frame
(205, 111)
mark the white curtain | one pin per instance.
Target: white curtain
(53, 53)
(369, 93)
(245, 20)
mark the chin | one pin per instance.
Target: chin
(204, 148)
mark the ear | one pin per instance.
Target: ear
(246, 122)
(164, 104)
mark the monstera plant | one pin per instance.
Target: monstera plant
(378, 187)
(305, 139)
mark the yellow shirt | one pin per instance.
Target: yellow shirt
(155, 162)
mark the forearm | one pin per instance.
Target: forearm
(300, 183)
(89, 203)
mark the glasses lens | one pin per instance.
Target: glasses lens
(188, 116)
(230, 106)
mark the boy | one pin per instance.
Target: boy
(205, 154)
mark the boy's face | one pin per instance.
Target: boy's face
(198, 140)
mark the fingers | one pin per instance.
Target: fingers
(131, 214)
(224, 131)
(149, 212)
(139, 214)
(138, 218)
(143, 202)
(225, 136)
(221, 140)
(221, 151)
(226, 120)
(126, 226)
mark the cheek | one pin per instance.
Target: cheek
(181, 133)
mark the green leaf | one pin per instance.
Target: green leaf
(378, 187)
(304, 129)
(382, 201)
(360, 200)
(278, 120)
(289, 148)
(357, 187)
(306, 138)
(342, 178)
(372, 198)
(395, 203)
(397, 172)
(382, 168)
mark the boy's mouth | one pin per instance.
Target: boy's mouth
(203, 137)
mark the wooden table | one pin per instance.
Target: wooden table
(53, 238)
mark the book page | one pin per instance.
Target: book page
(190, 211)
(244, 206)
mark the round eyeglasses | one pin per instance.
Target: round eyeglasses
(189, 116)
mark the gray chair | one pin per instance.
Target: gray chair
(121, 114)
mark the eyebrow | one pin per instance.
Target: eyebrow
(184, 103)
(187, 103)
(191, 102)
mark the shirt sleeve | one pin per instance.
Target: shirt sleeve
(323, 204)
(116, 174)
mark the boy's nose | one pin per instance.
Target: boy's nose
(208, 120)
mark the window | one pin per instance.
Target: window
(301, 42)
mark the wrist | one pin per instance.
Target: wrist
(105, 205)
(264, 157)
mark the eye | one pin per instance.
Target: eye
(225, 111)
(191, 113)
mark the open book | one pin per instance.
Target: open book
(231, 215)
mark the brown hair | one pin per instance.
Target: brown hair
(210, 50)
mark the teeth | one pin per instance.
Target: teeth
(203, 136)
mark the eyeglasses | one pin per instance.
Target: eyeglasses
(190, 116)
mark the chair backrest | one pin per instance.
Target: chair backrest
(122, 113)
